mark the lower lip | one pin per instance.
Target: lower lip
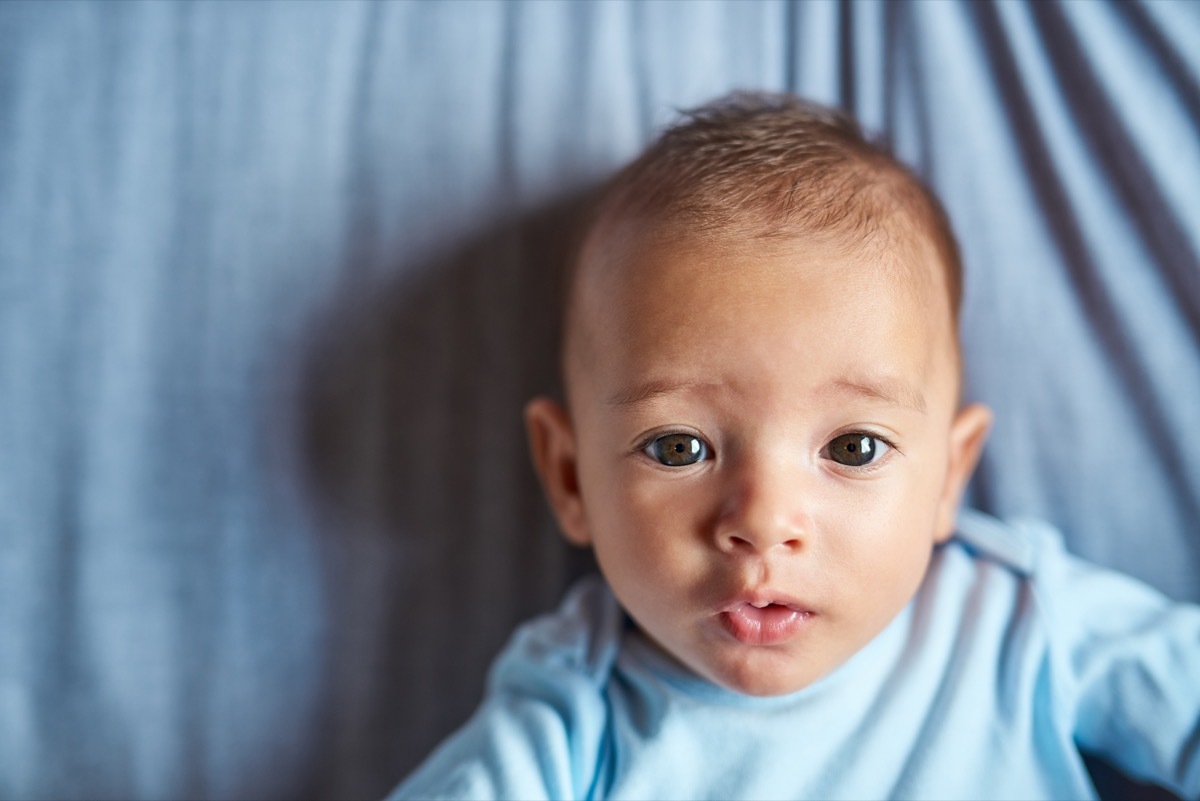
(769, 625)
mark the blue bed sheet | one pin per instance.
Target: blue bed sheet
(275, 279)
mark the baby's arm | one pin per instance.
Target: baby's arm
(1133, 658)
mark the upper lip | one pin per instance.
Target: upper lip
(765, 597)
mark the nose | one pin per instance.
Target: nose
(765, 513)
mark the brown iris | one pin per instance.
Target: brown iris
(853, 450)
(677, 450)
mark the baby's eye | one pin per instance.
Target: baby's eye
(856, 450)
(677, 450)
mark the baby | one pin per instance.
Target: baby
(764, 444)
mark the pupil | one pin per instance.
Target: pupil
(851, 447)
(679, 447)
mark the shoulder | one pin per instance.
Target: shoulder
(1006, 593)
(995, 568)
(1020, 545)
(540, 731)
(1094, 623)
(1073, 598)
(1069, 589)
(576, 643)
(1122, 655)
(1034, 555)
(982, 599)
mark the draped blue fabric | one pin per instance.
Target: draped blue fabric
(276, 278)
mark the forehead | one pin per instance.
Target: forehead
(802, 313)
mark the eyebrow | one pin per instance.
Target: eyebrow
(649, 390)
(892, 391)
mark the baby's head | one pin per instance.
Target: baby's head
(762, 439)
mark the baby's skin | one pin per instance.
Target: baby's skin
(762, 442)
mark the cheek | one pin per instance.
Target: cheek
(880, 531)
(633, 505)
(667, 511)
(654, 538)
(648, 541)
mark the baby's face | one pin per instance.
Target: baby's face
(762, 448)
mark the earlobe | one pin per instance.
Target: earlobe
(552, 448)
(968, 433)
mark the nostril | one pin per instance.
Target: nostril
(738, 541)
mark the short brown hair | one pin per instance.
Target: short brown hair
(772, 165)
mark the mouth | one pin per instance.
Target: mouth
(764, 621)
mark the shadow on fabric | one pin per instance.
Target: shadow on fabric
(437, 540)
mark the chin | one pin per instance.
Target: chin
(767, 687)
(760, 679)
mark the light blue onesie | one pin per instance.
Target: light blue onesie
(1012, 657)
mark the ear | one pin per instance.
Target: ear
(552, 447)
(968, 432)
